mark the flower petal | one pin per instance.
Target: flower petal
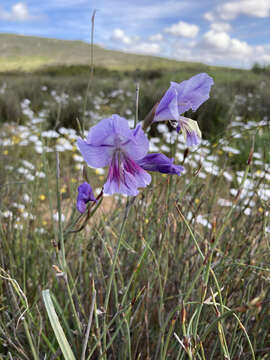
(125, 177)
(160, 163)
(95, 156)
(81, 206)
(179, 98)
(85, 194)
(193, 92)
(193, 139)
(110, 135)
(107, 130)
(137, 146)
(167, 109)
(191, 131)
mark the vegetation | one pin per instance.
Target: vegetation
(29, 53)
(179, 272)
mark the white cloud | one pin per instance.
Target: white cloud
(145, 48)
(135, 45)
(183, 29)
(156, 37)
(219, 48)
(216, 46)
(220, 27)
(209, 16)
(222, 44)
(232, 9)
(119, 35)
(18, 12)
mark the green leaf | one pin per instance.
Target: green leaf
(57, 328)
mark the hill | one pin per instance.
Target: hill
(28, 53)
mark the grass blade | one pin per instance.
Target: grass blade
(57, 328)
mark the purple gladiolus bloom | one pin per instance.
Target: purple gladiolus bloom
(112, 143)
(179, 98)
(85, 194)
(160, 163)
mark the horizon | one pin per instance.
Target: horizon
(126, 52)
(223, 34)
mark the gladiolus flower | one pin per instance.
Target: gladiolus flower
(112, 143)
(179, 98)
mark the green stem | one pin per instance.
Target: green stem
(29, 338)
(59, 211)
(91, 76)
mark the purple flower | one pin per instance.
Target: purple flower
(112, 143)
(179, 98)
(85, 194)
(160, 163)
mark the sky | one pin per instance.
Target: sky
(233, 33)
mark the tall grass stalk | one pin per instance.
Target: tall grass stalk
(89, 89)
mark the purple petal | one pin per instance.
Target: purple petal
(108, 131)
(192, 139)
(160, 163)
(81, 206)
(110, 135)
(193, 92)
(95, 156)
(85, 194)
(191, 131)
(167, 109)
(179, 98)
(125, 177)
(137, 146)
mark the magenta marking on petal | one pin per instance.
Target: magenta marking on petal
(111, 142)
(125, 176)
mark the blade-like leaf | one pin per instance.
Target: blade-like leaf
(57, 328)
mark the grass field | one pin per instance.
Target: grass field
(181, 271)
(17, 51)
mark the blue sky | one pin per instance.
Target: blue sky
(220, 32)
